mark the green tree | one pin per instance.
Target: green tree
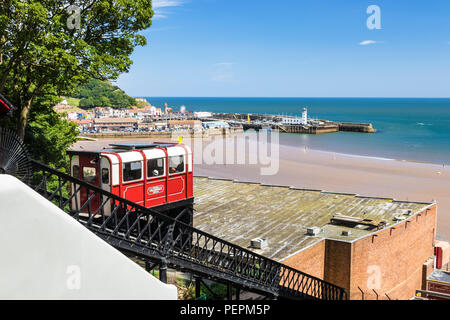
(96, 93)
(48, 136)
(46, 53)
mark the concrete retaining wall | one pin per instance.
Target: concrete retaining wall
(46, 254)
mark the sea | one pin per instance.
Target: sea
(411, 129)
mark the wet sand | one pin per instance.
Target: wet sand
(329, 171)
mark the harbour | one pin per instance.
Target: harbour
(292, 124)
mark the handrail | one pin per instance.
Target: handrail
(148, 230)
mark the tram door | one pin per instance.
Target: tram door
(90, 172)
(105, 183)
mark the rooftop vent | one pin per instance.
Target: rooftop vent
(259, 243)
(346, 233)
(399, 218)
(351, 222)
(313, 231)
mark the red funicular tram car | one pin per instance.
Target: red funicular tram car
(158, 175)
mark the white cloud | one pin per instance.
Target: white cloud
(366, 42)
(222, 72)
(157, 16)
(165, 3)
(158, 4)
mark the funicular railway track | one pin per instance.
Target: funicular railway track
(168, 242)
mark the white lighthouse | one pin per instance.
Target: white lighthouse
(305, 116)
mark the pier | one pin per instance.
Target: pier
(274, 122)
(356, 127)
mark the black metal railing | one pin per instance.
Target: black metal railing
(149, 233)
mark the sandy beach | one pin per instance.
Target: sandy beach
(329, 171)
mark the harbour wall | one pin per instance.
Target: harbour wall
(167, 135)
(356, 127)
(328, 127)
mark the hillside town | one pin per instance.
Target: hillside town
(136, 119)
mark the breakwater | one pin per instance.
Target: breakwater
(316, 126)
(315, 129)
(356, 127)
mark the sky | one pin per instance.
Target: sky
(294, 48)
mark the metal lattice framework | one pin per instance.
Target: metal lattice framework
(153, 236)
(14, 158)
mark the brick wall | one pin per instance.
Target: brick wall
(311, 260)
(338, 263)
(390, 261)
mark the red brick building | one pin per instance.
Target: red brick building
(375, 248)
(387, 263)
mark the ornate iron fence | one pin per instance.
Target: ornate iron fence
(153, 235)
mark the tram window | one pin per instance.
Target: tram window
(155, 167)
(132, 171)
(76, 171)
(105, 176)
(176, 164)
(89, 174)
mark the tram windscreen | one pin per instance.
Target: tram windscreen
(89, 174)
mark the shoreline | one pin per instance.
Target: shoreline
(347, 154)
(378, 155)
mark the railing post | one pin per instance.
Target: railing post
(229, 291)
(197, 287)
(163, 271)
(362, 293)
(375, 293)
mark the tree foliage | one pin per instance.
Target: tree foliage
(50, 136)
(44, 54)
(98, 93)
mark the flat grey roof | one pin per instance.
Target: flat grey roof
(441, 276)
(239, 212)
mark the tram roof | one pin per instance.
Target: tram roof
(123, 147)
(131, 146)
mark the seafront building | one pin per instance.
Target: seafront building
(203, 114)
(375, 248)
(112, 124)
(296, 120)
(215, 124)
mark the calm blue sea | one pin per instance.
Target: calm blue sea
(408, 129)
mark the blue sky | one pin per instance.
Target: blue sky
(293, 48)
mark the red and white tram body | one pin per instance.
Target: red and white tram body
(147, 174)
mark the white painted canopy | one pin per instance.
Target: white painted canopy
(46, 254)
